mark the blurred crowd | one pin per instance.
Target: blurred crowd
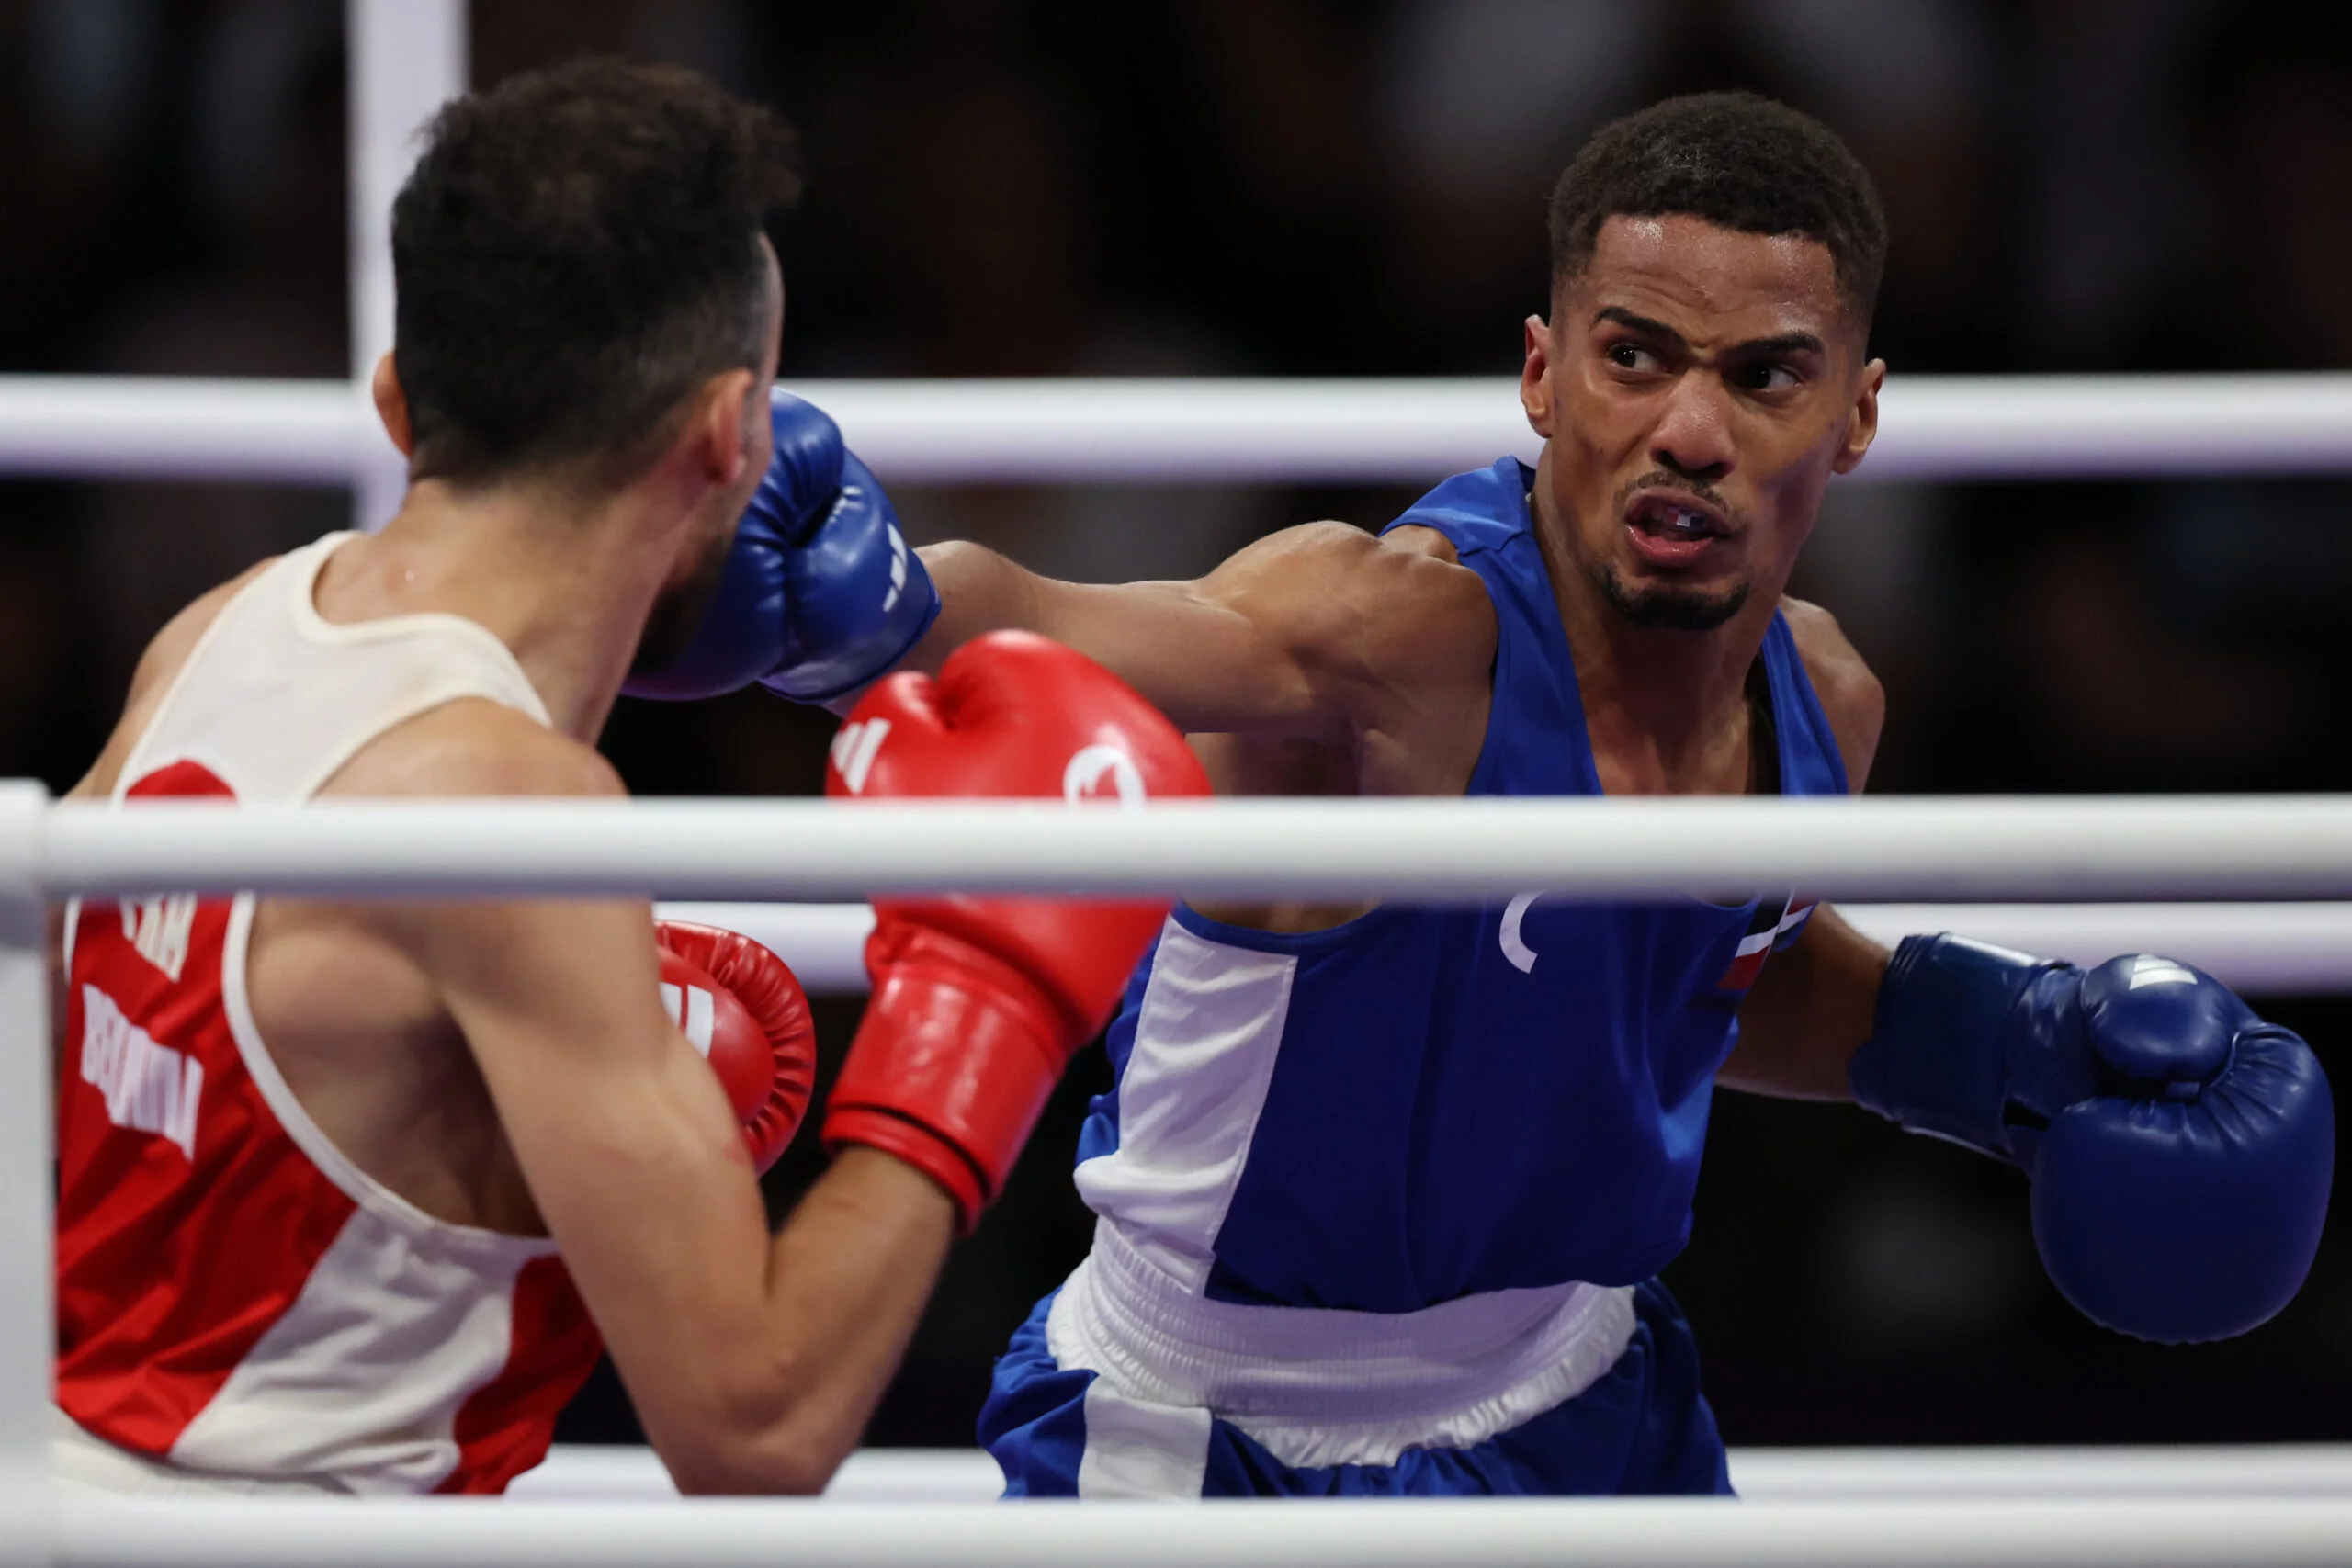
(1335, 187)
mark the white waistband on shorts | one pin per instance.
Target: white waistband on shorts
(82, 1461)
(1321, 1387)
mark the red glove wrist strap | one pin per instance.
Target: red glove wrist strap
(950, 1076)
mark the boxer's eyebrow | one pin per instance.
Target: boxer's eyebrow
(1625, 318)
(1784, 342)
(1787, 342)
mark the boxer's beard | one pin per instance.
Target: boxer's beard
(1667, 608)
(678, 613)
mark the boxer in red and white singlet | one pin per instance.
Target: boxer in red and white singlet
(235, 1292)
(352, 1195)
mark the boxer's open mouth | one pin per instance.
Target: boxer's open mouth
(1671, 528)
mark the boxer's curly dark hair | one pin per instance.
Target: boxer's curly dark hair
(577, 250)
(1737, 159)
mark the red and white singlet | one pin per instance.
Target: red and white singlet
(234, 1297)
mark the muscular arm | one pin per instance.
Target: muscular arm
(1812, 1008)
(1289, 638)
(755, 1362)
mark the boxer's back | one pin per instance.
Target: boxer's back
(266, 1099)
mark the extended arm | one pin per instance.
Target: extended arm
(1294, 636)
(1244, 648)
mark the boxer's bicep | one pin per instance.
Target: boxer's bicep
(631, 1153)
(1807, 1014)
(1297, 634)
(753, 1361)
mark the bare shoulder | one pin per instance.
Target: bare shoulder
(1851, 696)
(475, 747)
(1375, 603)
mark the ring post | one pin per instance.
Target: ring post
(407, 58)
(26, 1339)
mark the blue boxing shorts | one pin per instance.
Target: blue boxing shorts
(1638, 1425)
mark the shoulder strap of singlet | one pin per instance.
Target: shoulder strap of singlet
(1810, 761)
(1480, 511)
(274, 699)
(1536, 742)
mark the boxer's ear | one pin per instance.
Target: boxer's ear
(722, 433)
(1862, 429)
(391, 405)
(1534, 384)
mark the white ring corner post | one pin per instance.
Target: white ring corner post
(26, 1337)
(407, 58)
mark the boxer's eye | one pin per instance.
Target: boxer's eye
(1765, 375)
(1632, 356)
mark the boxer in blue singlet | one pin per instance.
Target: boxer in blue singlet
(1382, 1191)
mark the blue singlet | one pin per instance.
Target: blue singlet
(1349, 1179)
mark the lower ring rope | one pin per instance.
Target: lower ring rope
(2275, 949)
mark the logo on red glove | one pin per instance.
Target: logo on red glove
(1090, 770)
(1083, 779)
(854, 748)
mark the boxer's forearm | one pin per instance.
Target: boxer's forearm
(849, 1276)
(1139, 631)
(1809, 1013)
(1232, 651)
(979, 591)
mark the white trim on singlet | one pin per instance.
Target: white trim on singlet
(488, 671)
(1207, 1032)
(83, 1464)
(499, 1247)
(1317, 1386)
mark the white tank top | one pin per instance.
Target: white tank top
(236, 1298)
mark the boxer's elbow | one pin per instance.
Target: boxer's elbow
(771, 1434)
(751, 1473)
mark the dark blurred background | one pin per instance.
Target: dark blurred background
(1316, 187)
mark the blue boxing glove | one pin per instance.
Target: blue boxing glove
(820, 594)
(2181, 1148)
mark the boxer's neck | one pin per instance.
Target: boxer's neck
(1667, 708)
(566, 582)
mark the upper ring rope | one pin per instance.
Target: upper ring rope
(2271, 847)
(1936, 427)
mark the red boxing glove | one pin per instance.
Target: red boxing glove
(979, 1003)
(743, 1008)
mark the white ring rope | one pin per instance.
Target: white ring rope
(1408, 432)
(622, 1472)
(2263, 949)
(2148, 1532)
(1435, 850)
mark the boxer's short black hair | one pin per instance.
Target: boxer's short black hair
(577, 250)
(1737, 160)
